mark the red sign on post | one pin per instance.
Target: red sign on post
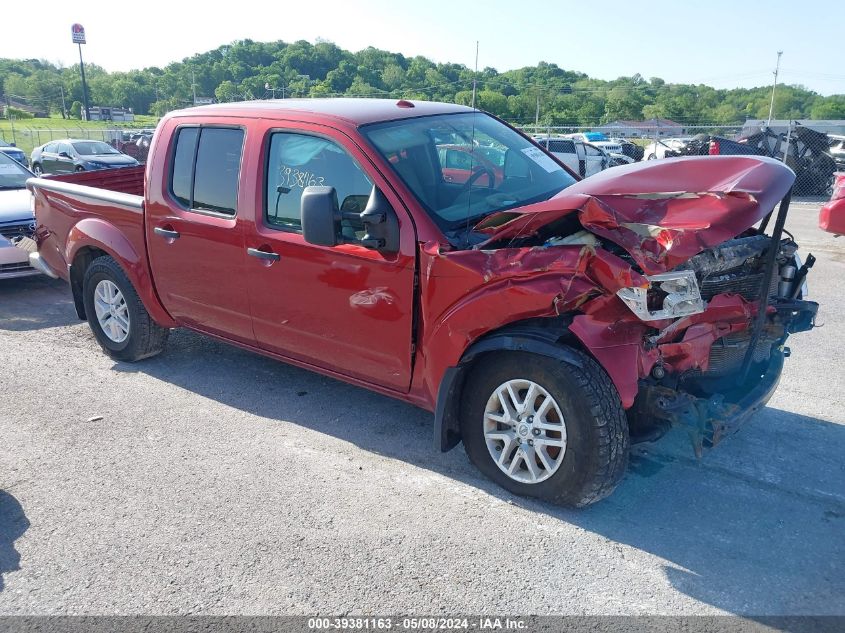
(78, 33)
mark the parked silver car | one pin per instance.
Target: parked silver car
(16, 219)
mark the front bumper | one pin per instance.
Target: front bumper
(14, 262)
(712, 407)
(709, 420)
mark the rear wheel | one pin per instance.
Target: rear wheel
(120, 323)
(36, 169)
(79, 168)
(544, 428)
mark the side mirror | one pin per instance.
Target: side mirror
(515, 165)
(320, 216)
(380, 223)
(321, 220)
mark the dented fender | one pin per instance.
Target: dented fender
(517, 284)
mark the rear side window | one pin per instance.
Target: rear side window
(182, 172)
(562, 147)
(206, 168)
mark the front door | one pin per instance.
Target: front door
(347, 308)
(50, 157)
(63, 161)
(195, 235)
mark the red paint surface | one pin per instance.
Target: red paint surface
(832, 214)
(350, 312)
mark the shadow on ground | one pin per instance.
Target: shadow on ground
(13, 523)
(22, 304)
(769, 502)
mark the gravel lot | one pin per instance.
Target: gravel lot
(217, 481)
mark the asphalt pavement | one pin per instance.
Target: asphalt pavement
(209, 480)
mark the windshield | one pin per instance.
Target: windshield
(462, 167)
(93, 148)
(12, 174)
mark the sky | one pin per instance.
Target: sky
(720, 43)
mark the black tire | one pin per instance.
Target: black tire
(36, 169)
(146, 338)
(596, 454)
(79, 168)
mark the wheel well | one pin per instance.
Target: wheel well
(546, 336)
(80, 264)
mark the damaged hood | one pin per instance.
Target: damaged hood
(661, 212)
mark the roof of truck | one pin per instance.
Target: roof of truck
(355, 111)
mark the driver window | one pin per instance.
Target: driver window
(456, 159)
(296, 161)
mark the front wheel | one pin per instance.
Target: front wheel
(118, 318)
(544, 428)
(36, 169)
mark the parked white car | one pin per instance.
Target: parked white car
(16, 219)
(582, 158)
(596, 139)
(658, 149)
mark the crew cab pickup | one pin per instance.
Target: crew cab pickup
(547, 322)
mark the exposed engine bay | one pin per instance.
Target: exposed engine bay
(704, 398)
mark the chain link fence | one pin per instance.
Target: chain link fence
(131, 141)
(814, 150)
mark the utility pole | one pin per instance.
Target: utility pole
(78, 38)
(537, 115)
(475, 75)
(774, 85)
(194, 85)
(84, 87)
(9, 116)
(64, 109)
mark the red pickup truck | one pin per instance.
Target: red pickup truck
(548, 322)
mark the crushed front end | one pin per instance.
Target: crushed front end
(711, 370)
(676, 276)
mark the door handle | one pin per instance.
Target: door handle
(269, 256)
(169, 234)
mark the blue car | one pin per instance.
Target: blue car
(13, 152)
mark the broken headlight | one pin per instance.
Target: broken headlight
(669, 296)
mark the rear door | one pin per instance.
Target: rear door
(346, 308)
(195, 233)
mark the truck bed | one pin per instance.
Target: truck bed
(126, 180)
(101, 209)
